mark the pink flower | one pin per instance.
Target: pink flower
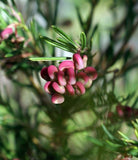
(67, 79)
(65, 65)
(6, 33)
(71, 79)
(70, 89)
(91, 72)
(78, 61)
(79, 88)
(57, 98)
(86, 81)
(58, 88)
(61, 78)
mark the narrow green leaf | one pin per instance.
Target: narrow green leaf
(107, 132)
(124, 136)
(57, 44)
(66, 43)
(63, 34)
(95, 141)
(83, 40)
(48, 58)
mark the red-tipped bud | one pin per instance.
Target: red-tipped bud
(61, 78)
(79, 88)
(48, 87)
(71, 76)
(84, 58)
(70, 89)
(65, 65)
(6, 33)
(52, 70)
(86, 81)
(44, 74)
(57, 98)
(91, 72)
(78, 62)
(58, 88)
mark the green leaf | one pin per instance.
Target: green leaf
(48, 58)
(66, 43)
(124, 136)
(63, 34)
(58, 44)
(108, 133)
(95, 141)
(83, 40)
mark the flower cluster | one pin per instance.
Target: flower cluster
(70, 78)
(10, 30)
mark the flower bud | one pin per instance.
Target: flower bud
(65, 65)
(58, 88)
(61, 78)
(70, 89)
(6, 33)
(48, 87)
(71, 76)
(52, 70)
(79, 88)
(44, 74)
(57, 98)
(91, 72)
(78, 62)
(86, 81)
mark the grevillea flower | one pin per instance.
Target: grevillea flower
(78, 61)
(58, 88)
(91, 72)
(6, 33)
(61, 78)
(79, 88)
(65, 65)
(71, 78)
(57, 98)
(70, 89)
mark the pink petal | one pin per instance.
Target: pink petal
(6, 33)
(70, 89)
(84, 58)
(91, 72)
(58, 88)
(61, 78)
(78, 62)
(52, 70)
(44, 74)
(57, 98)
(86, 81)
(79, 88)
(66, 64)
(48, 87)
(71, 76)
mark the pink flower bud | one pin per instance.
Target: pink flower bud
(84, 58)
(79, 88)
(86, 81)
(78, 62)
(70, 89)
(91, 72)
(66, 64)
(58, 88)
(61, 78)
(44, 74)
(6, 33)
(57, 98)
(48, 87)
(52, 70)
(71, 76)
(119, 110)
